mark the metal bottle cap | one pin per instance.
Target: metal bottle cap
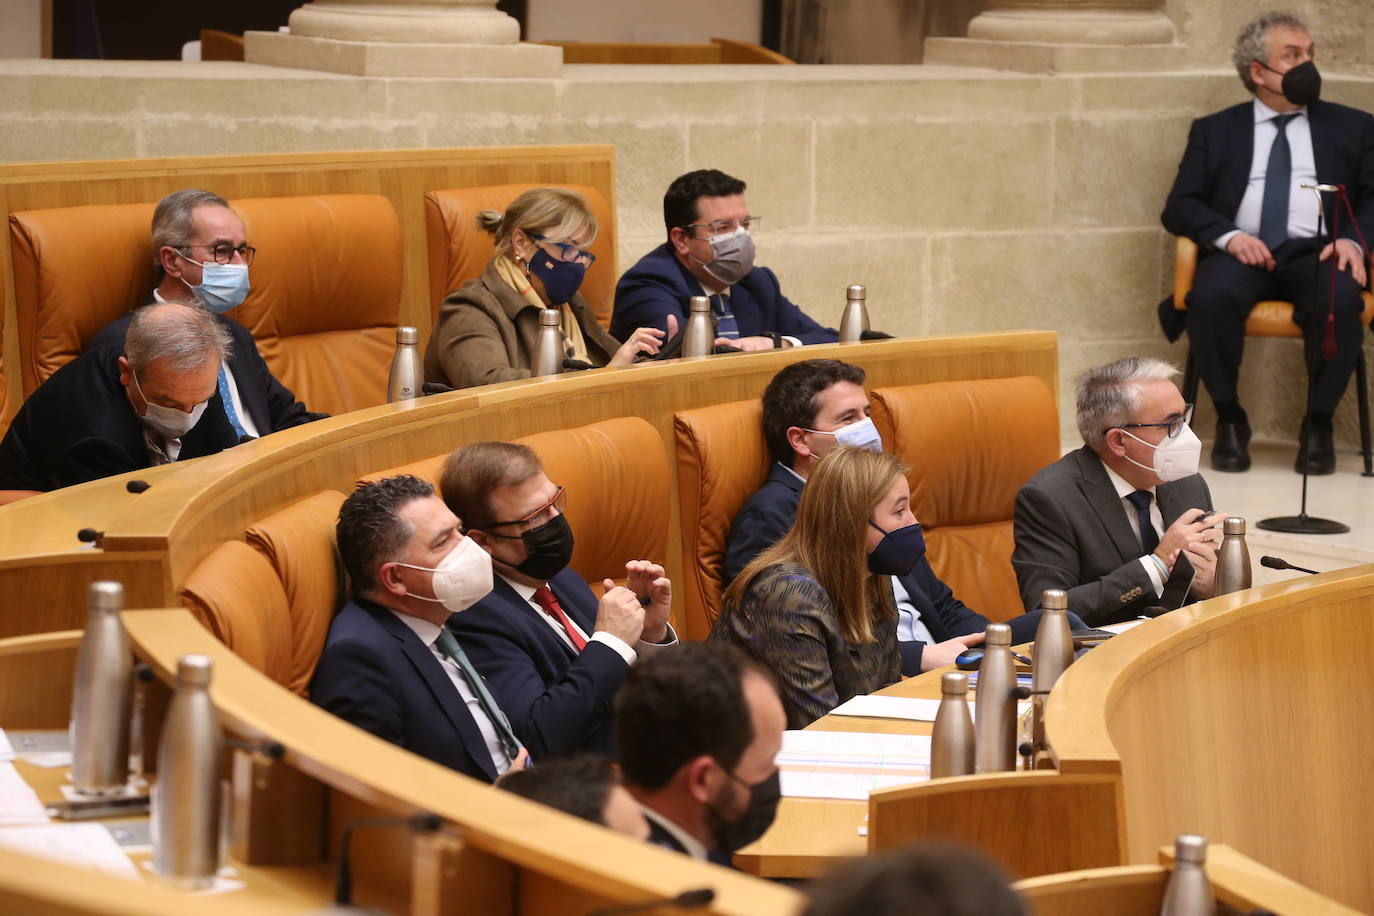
(1055, 599)
(106, 596)
(1189, 847)
(407, 335)
(194, 670)
(699, 304)
(1233, 525)
(954, 684)
(856, 291)
(998, 634)
(549, 318)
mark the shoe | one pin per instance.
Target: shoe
(1231, 448)
(1321, 451)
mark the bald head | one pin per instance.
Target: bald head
(184, 337)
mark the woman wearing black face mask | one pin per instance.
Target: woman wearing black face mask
(488, 329)
(816, 608)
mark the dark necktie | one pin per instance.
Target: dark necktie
(1149, 538)
(1278, 176)
(544, 595)
(448, 645)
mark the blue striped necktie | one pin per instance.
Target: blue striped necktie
(229, 403)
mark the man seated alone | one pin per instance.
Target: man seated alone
(698, 730)
(202, 256)
(810, 408)
(553, 653)
(1091, 522)
(389, 665)
(149, 400)
(710, 252)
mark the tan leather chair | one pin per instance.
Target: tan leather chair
(299, 543)
(721, 461)
(236, 594)
(425, 469)
(971, 445)
(459, 249)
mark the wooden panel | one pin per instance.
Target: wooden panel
(1127, 890)
(36, 680)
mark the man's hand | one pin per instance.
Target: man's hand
(1203, 556)
(1192, 527)
(619, 613)
(747, 344)
(647, 580)
(1348, 254)
(521, 761)
(1247, 249)
(944, 653)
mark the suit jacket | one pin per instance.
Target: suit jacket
(80, 426)
(768, 515)
(558, 701)
(269, 403)
(659, 286)
(377, 674)
(1072, 533)
(1215, 170)
(488, 333)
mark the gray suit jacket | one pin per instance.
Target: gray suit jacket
(1071, 533)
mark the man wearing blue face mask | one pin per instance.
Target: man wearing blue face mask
(202, 257)
(710, 252)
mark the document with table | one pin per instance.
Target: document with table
(822, 764)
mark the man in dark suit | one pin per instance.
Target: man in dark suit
(809, 408)
(147, 400)
(1239, 195)
(698, 731)
(202, 256)
(710, 252)
(1125, 522)
(553, 653)
(389, 666)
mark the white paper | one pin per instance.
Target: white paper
(19, 804)
(849, 765)
(915, 709)
(869, 747)
(1122, 627)
(48, 760)
(851, 786)
(6, 749)
(86, 845)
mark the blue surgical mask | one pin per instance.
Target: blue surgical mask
(222, 286)
(898, 552)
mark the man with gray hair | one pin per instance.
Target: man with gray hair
(150, 401)
(1239, 195)
(1125, 522)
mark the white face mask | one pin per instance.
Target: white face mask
(462, 577)
(1175, 458)
(168, 422)
(860, 434)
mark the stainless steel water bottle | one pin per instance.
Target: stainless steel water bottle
(854, 321)
(403, 382)
(952, 742)
(186, 798)
(1233, 558)
(700, 339)
(100, 703)
(994, 704)
(548, 358)
(1053, 654)
(1189, 892)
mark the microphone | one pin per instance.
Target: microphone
(89, 535)
(436, 388)
(243, 440)
(874, 335)
(1280, 563)
(576, 365)
(137, 486)
(343, 883)
(1329, 188)
(687, 900)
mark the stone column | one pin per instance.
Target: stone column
(1047, 36)
(404, 38)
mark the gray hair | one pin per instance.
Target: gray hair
(1109, 396)
(172, 223)
(186, 336)
(1250, 43)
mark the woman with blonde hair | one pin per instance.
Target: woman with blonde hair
(816, 608)
(488, 329)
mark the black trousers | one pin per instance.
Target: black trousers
(1225, 291)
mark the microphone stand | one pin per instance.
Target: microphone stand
(1302, 523)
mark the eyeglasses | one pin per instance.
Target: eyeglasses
(536, 518)
(567, 251)
(223, 253)
(722, 226)
(1174, 426)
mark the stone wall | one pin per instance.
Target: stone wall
(1343, 30)
(965, 200)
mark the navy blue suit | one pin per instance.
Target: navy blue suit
(558, 701)
(659, 286)
(769, 514)
(378, 675)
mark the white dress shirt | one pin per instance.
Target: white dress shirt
(691, 844)
(1123, 490)
(621, 647)
(1302, 204)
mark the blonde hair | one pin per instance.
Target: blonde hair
(555, 212)
(829, 537)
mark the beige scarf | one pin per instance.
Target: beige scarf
(574, 346)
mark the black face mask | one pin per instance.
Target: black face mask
(1302, 85)
(550, 548)
(757, 817)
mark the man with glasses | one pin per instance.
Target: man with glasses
(202, 257)
(710, 252)
(553, 654)
(1125, 522)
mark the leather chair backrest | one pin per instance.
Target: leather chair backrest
(298, 542)
(971, 445)
(425, 469)
(721, 461)
(326, 294)
(76, 269)
(236, 594)
(459, 249)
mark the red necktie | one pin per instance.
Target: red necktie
(549, 603)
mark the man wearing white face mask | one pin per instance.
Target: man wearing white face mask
(202, 257)
(710, 252)
(389, 664)
(1125, 522)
